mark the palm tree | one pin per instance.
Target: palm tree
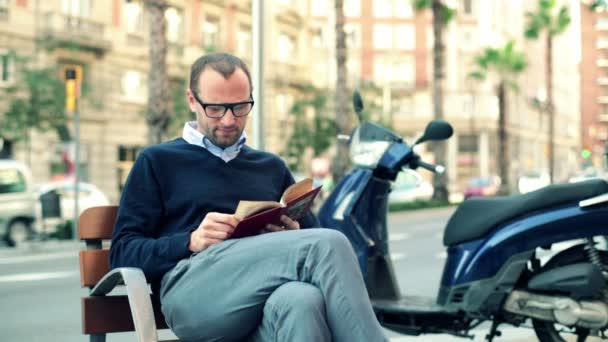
(340, 161)
(157, 113)
(596, 5)
(442, 15)
(505, 63)
(552, 23)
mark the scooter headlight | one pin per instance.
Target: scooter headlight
(366, 153)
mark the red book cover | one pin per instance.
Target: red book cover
(254, 216)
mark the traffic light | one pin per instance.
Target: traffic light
(73, 79)
(585, 153)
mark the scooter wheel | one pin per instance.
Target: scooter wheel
(549, 331)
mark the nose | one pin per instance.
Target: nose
(228, 117)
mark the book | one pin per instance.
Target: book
(255, 215)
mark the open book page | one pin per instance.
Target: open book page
(296, 190)
(253, 215)
(249, 208)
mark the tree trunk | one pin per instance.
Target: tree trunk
(504, 156)
(158, 114)
(439, 180)
(550, 106)
(340, 162)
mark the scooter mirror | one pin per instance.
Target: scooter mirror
(436, 130)
(358, 104)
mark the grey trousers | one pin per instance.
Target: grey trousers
(302, 285)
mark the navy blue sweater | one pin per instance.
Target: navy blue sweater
(170, 189)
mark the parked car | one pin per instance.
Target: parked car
(586, 174)
(17, 202)
(408, 187)
(482, 187)
(89, 195)
(532, 180)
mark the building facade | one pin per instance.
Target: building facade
(594, 83)
(389, 54)
(390, 45)
(108, 40)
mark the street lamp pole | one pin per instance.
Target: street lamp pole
(72, 87)
(257, 11)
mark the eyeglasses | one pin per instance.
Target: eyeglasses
(218, 110)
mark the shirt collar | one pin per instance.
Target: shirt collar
(194, 137)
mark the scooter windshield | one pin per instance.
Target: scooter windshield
(368, 144)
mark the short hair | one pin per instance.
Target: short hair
(222, 62)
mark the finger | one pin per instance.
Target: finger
(289, 223)
(274, 228)
(223, 218)
(216, 234)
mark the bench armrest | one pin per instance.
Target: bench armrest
(139, 299)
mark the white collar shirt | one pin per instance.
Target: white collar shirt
(193, 136)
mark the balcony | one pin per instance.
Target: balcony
(602, 99)
(135, 39)
(602, 118)
(284, 73)
(289, 15)
(602, 81)
(65, 30)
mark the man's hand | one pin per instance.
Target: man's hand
(215, 228)
(288, 224)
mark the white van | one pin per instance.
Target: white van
(17, 202)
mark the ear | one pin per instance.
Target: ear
(191, 101)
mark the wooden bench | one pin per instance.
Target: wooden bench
(102, 314)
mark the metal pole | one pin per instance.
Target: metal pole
(257, 11)
(76, 171)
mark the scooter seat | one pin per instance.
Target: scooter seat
(476, 217)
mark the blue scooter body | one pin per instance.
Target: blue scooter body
(358, 208)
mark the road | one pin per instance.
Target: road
(40, 292)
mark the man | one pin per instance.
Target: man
(175, 222)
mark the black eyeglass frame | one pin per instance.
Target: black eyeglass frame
(225, 105)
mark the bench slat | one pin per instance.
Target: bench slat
(112, 314)
(94, 264)
(97, 222)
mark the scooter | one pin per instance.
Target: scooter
(493, 270)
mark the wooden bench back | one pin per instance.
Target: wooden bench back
(95, 225)
(103, 314)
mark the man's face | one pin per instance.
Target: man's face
(214, 88)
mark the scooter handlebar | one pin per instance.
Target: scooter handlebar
(433, 168)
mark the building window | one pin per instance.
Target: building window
(317, 38)
(286, 48)
(405, 37)
(134, 86)
(353, 35)
(383, 36)
(76, 8)
(601, 23)
(134, 16)
(352, 8)
(398, 70)
(7, 68)
(467, 7)
(319, 8)
(4, 12)
(243, 41)
(403, 9)
(383, 8)
(126, 158)
(602, 42)
(175, 23)
(211, 33)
